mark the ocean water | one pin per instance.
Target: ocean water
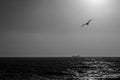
(60, 68)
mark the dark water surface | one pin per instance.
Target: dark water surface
(66, 68)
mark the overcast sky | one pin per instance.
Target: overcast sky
(37, 28)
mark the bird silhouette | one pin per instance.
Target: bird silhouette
(87, 23)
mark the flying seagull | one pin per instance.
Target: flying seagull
(87, 23)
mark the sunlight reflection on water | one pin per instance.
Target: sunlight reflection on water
(98, 70)
(61, 69)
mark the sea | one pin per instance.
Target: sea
(60, 68)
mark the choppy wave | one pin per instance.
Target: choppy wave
(89, 68)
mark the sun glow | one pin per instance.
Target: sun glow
(96, 2)
(98, 8)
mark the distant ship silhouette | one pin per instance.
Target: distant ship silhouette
(76, 56)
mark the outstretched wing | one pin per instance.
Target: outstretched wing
(90, 21)
(83, 25)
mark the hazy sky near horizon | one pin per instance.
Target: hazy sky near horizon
(36, 28)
